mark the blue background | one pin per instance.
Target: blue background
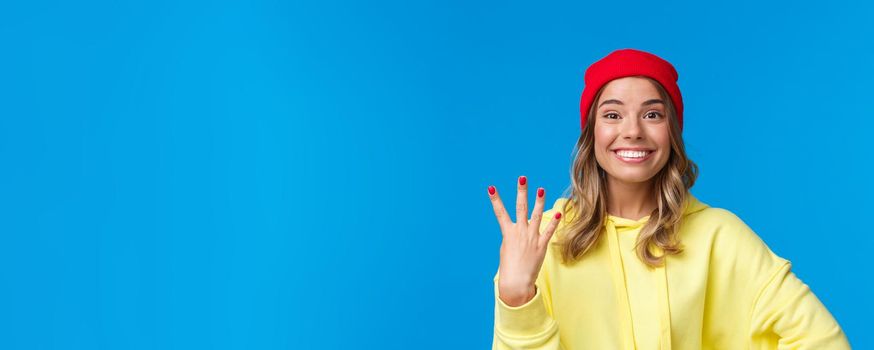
(268, 174)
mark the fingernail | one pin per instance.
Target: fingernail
(522, 180)
(558, 215)
(491, 190)
(540, 192)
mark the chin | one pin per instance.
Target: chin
(633, 175)
(634, 178)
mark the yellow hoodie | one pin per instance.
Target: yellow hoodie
(727, 290)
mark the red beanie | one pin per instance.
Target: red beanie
(628, 62)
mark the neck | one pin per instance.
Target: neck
(630, 200)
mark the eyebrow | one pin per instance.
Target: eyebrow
(645, 103)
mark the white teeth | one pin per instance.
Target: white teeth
(632, 154)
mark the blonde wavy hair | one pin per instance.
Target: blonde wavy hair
(589, 187)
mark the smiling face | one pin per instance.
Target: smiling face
(632, 140)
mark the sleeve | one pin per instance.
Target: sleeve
(531, 325)
(786, 310)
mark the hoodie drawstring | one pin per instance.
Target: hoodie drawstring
(619, 282)
(664, 305)
(621, 288)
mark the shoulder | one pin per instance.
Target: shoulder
(731, 240)
(714, 217)
(740, 262)
(722, 223)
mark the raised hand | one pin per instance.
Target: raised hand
(523, 246)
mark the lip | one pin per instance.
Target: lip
(633, 160)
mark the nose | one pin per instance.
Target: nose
(631, 129)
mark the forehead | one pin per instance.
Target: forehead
(630, 89)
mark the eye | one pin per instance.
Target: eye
(656, 114)
(609, 114)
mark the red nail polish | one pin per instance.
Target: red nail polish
(540, 192)
(522, 180)
(491, 190)
(558, 215)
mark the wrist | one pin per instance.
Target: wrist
(518, 297)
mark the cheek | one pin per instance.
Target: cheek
(660, 136)
(663, 142)
(603, 137)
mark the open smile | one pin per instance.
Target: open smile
(633, 157)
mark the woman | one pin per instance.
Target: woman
(636, 261)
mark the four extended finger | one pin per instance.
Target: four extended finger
(539, 203)
(522, 203)
(500, 212)
(550, 229)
